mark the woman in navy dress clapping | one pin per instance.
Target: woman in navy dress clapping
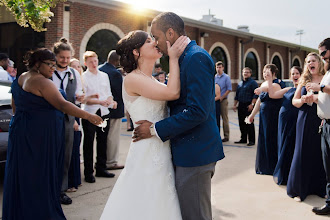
(266, 158)
(307, 175)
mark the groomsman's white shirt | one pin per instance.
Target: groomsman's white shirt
(323, 102)
(97, 84)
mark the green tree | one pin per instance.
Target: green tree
(32, 13)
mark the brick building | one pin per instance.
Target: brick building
(98, 25)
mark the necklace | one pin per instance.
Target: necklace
(151, 77)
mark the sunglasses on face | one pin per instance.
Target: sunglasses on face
(322, 54)
(51, 65)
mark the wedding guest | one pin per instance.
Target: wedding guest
(246, 99)
(96, 82)
(307, 174)
(217, 104)
(4, 62)
(34, 167)
(12, 71)
(67, 79)
(75, 63)
(74, 175)
(223, 80)
(269, 108)
(324, 113)
(162, 77)
(287, 120)
(157, 69)
(116, 84)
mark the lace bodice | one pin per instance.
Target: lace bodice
(141, 108)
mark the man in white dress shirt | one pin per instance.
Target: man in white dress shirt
(96, 82)
(4, 62)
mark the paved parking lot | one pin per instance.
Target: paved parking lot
(237, 192)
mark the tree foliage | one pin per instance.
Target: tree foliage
(32, 13)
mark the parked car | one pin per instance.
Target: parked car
(5, 116)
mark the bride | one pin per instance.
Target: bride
(146, 189)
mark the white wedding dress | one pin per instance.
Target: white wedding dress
(145, 189)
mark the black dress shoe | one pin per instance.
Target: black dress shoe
(90, 179)
(104, 173)
(324, 210)
(240, 142)
(65, 200)
(250, 144)
(225, 140)
(130, 129)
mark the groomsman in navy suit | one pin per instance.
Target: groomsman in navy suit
(192, 128)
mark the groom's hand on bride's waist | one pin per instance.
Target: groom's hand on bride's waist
(142, 131)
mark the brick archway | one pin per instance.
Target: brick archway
(93, 30)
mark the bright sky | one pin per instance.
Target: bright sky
(276, 19)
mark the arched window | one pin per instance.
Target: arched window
(218, 54)
(102, 42)
(296, 62)
(277, 62)
(252, 62)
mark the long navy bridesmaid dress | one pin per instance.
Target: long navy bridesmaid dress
(74, 179)
(34, 167)
(287, 120)
(267, 141)
(307, 175)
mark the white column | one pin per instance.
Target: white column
(267, 55)
(202, 42)
(66, 23)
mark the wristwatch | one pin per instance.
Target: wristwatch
(322, 87)
(152, 129)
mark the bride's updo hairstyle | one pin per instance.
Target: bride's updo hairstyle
(133, 40)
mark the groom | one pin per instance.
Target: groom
(192, 128)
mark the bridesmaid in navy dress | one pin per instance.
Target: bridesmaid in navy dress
(74, 176)
(307, 175)
(287, 120)
(266, 158)
(34, 165)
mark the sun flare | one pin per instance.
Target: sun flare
(138, 6)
